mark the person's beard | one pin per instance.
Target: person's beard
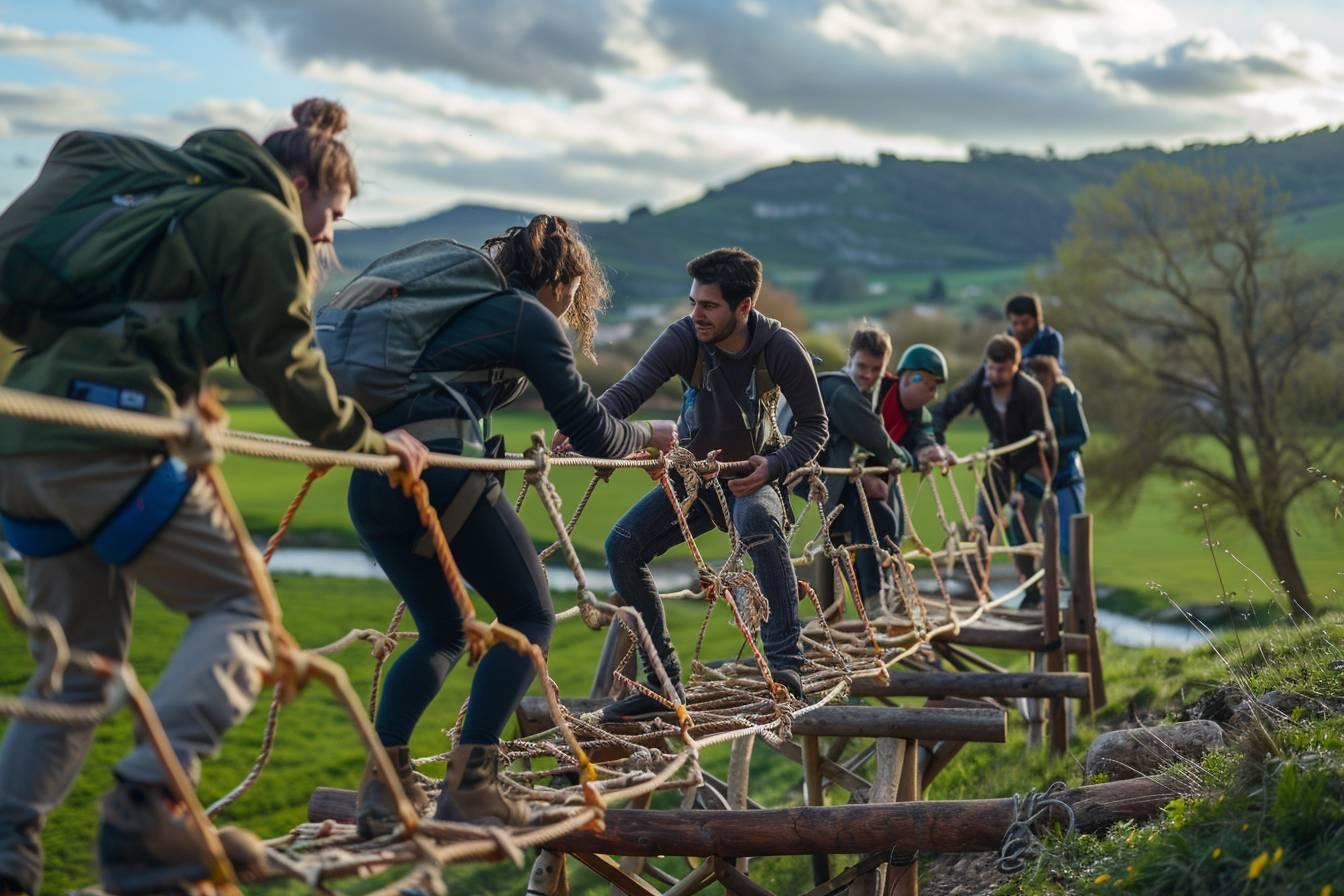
(718, 335)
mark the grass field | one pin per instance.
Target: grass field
(1162, 544)
(316, 746)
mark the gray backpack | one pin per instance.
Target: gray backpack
(375, 331)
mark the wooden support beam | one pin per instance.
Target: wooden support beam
(1015, 639)
(607, 868)
(832, 772)
(933, 826)
(812, 795)
(986, 725)
(904, 881)
(1055, 660)
(736, 882)
(1002, 685)
(697, 880)
(1085, 599)
(892, 757)
(549, 876)
(739, 776)
(614, 648)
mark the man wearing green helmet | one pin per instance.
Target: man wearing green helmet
(904, 398)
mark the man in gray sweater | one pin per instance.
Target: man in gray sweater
(731, 360)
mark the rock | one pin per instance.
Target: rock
(1277, 708)
(1219, 705)
(1133, 752)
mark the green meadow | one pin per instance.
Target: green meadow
(1160, 548)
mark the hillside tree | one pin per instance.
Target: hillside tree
(1218, 346)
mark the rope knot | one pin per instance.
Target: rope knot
(202, 443)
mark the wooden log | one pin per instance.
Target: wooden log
(936, 825)
(1055, 660)
(904, 881)
(987, 725)
(1015, 638)
(975, 684)
(812, 796)
(1085, 598)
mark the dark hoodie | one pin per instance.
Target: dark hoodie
(722, 414)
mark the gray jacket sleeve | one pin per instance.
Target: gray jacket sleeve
(790, 367)
(670, 355)
(854, 418)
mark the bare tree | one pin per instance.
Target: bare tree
(1217, 341)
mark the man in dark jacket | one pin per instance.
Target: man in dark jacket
(856, 432)
(1013, 407)
(1026, 324)
(730, 359)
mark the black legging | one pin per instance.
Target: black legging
(497, 557)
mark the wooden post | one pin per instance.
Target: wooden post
(823, 579)
(1054, 654)
(739, 773)
(1032, 709)
(1085, 599)
(616, 645)
(812, 794)
(904, 880)
(891, 760)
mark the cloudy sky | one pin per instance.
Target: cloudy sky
(590, 107)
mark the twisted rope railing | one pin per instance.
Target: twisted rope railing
(721, 704)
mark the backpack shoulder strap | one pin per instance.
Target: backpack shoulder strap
(697, 380)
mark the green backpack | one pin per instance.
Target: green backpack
(100, 204)
(375, 331)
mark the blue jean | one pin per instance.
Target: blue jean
(496, 557)
(1072, 501)
(650, 527)
(888, 520)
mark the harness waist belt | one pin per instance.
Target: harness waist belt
(124, 533)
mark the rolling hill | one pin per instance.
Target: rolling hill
(898, 222)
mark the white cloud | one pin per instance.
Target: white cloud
(78, 53)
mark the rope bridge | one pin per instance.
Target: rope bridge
(577, 767)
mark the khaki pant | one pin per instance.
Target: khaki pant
(192, 566)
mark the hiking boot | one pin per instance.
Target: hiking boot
(146, 845)
(634, 706)
(375, 808)
(472, 791)
(792, 680)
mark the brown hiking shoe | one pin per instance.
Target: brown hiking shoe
(472, 792)
(375, 808)
(146, 845)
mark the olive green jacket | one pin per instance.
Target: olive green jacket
(235, 278)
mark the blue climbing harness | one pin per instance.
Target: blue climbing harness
(123, 534)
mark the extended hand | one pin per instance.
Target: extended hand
(752, 482)
(560, 443)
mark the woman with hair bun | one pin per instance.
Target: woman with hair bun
(95, 513)
(493, 348)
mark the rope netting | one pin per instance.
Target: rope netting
(578, 767)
